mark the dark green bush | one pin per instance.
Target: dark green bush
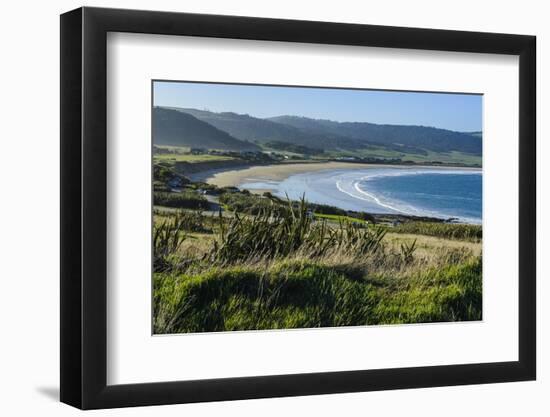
(188, 199)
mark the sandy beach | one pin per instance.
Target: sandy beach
(279, 172)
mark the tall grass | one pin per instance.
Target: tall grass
(192, 221)
(469, 232)
(407, 251)
(248, 203)
(275, 232)
(167, 239)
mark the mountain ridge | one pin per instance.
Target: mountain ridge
(418, 136)
(171, 127)
(331, 135)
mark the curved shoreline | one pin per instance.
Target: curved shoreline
(234, 177)
(267, 178)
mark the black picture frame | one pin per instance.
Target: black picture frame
(84, 207)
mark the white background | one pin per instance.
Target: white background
(134, 356)
(29, 173)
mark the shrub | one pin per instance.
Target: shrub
(162, 171)
(470, 232)
(249, 203)
(277, 231)
(188, 199)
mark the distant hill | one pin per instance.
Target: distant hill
(245, 127)
(240, 132)
(254, 129)
(428, 138)
(175, 128)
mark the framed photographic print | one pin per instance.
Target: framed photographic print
(257, 208)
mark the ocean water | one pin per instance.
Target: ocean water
(434, 192)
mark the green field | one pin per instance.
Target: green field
(338, 218)
(192, 159)
(452, 157)
(181, 154)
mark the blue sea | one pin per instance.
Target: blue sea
(434, 192)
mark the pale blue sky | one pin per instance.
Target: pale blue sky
(460, 112)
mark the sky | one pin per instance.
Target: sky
(459, 112)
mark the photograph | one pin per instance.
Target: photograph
(272, 205)
(296, 207)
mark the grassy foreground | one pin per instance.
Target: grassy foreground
(279, 268)
(304, 294)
